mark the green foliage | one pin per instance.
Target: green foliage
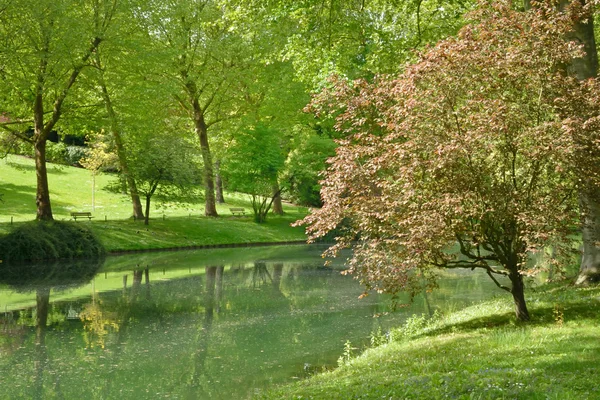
(303, 168)
(37, 241)
(252, 164)
(355, 39)
(378, 337)
(60, 153)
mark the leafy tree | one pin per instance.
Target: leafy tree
(46, 46)
(464, 161)
(162, 165)
(209, 59)
(252, 164)
(97, 158)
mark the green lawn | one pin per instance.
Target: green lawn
(477, 353)
(171, 225)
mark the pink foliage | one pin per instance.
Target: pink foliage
(475, 147)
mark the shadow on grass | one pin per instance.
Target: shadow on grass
(53, 169)
(569, 311)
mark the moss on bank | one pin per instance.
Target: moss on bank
(49, 241)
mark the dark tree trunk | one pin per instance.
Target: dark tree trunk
(518, 293)
(277, 274)
(138, 212)
(147, 217)
(219, 288)
(277, 205)
(203, 341)
(41, 355)
(219, 183)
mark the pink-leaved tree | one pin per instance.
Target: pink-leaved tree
(468, 159)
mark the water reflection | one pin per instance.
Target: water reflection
(41, 278)
(192, 325)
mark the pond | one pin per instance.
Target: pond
(214, 324)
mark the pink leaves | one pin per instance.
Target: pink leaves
(475, 141)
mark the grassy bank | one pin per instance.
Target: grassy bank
(476, 353)
(172, 225)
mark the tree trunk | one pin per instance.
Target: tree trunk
(42, 198)
(147, 217)
(518, 292)
(219, 182)
(589, 270)
(138, 213)
(210, 207)
(584, 68)
(277, 205)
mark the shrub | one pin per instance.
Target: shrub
(43, 241)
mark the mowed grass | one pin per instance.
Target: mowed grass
(477, 353)
(171, 225)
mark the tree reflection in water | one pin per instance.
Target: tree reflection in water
(41, 278)
(188, 330)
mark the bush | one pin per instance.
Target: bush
(43, 241)
(56, 152)
(60, 153)
(74, 154)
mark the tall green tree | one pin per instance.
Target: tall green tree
(45, 48)
(209, 60)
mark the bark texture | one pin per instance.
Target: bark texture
(518, 293)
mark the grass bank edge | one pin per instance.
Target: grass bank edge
(182, 232)
(479, 352)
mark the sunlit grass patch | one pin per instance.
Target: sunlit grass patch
(172, 225)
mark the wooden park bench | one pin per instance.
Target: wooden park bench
(81, 214)
(237, 210)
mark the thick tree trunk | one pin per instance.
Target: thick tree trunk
(589, 270)
(138, 212)
(589, 196)
(219, 183)
(518, 292)
(42, 198)
(210, 207)
(277, 205)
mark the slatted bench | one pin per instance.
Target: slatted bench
(82, 214)
(237, 210)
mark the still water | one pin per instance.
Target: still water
(211, 324)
